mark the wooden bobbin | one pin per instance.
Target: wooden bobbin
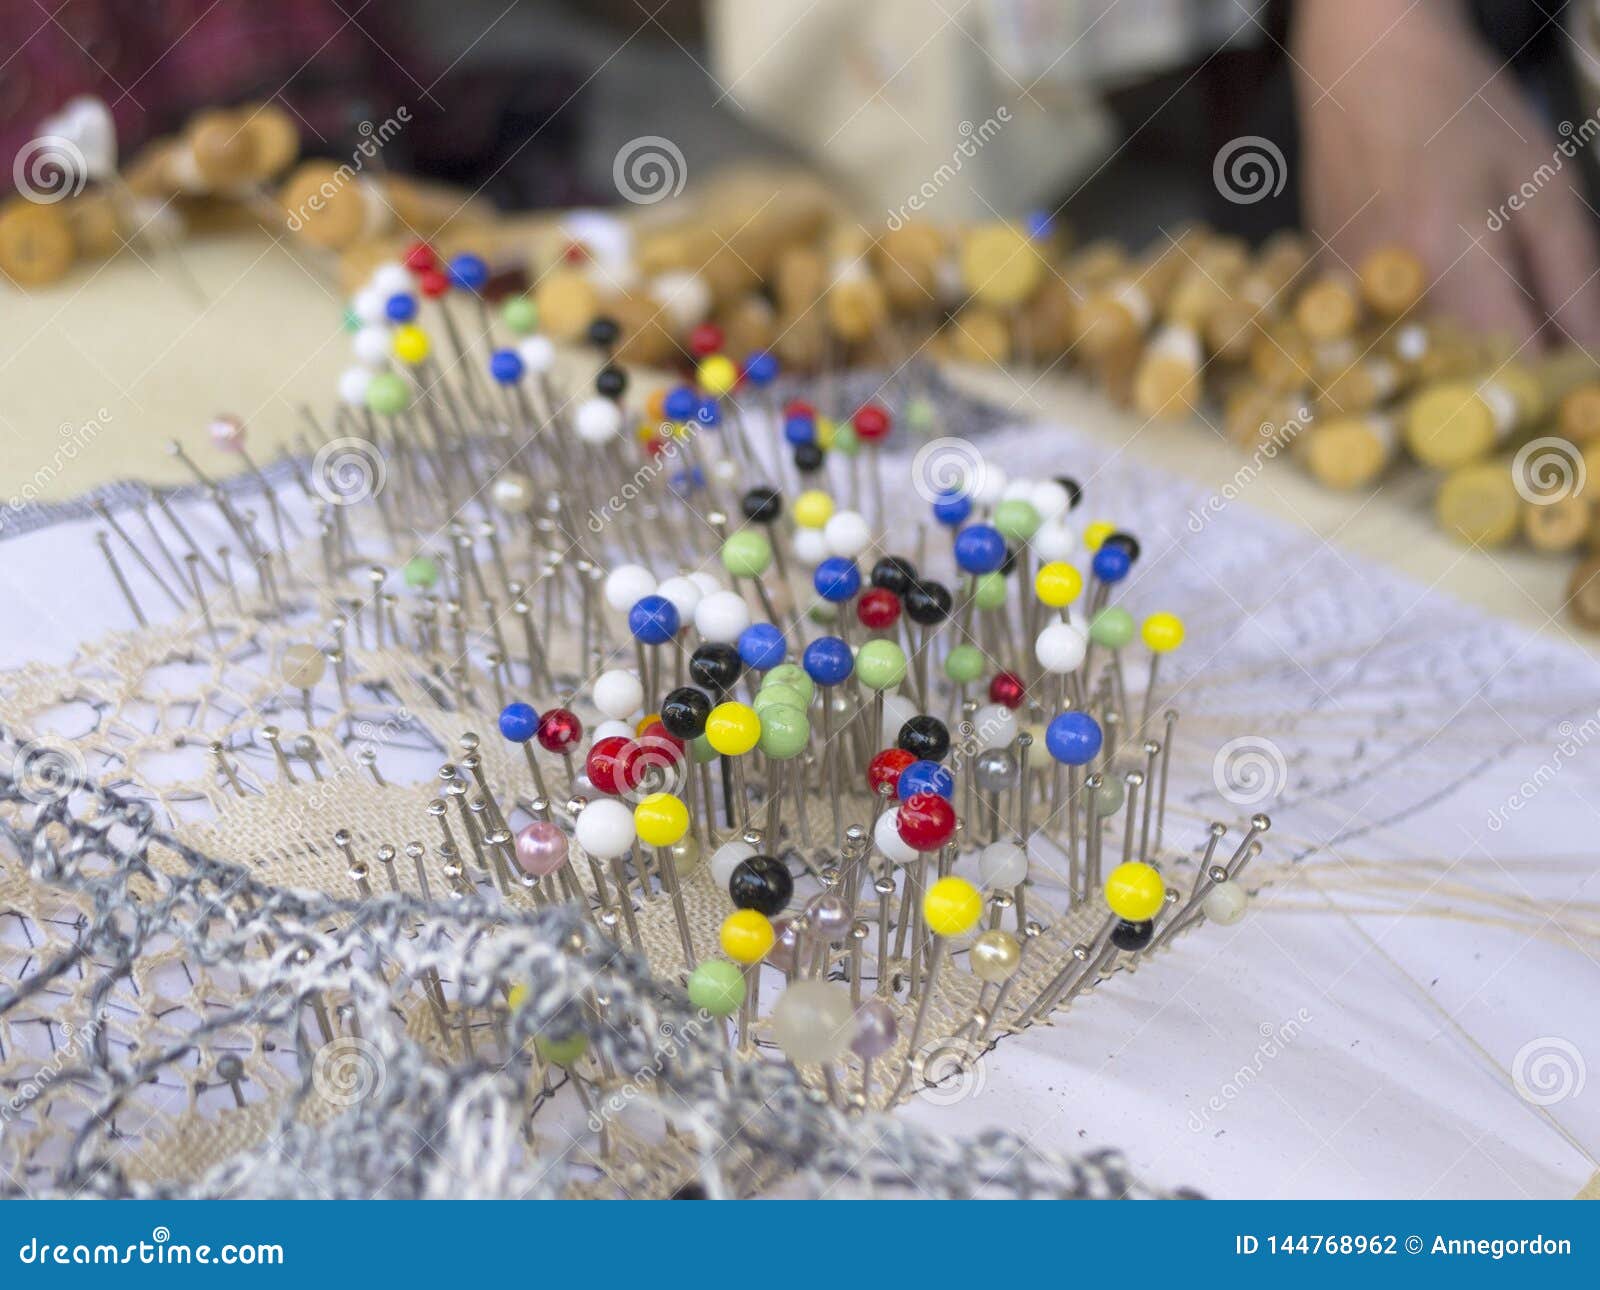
(1167, 382)
(1583, 594)
(1478, 503)
(1578, 415)
(1559, 525)
(906, 261)
(36, 242)
(1328, 308)
(1351, 451)
(1001, 268)
(1393, 279)
(979, 335)
(1456, 422)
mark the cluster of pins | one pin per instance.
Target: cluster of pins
(936, 809)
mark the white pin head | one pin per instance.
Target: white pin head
(537, 353)
(597, 420)
(618, 694)
(628, 584)
(722, 617)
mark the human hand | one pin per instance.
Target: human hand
(1412, 134)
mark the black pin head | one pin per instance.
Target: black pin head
(1132, 936)
(926, 738)
(894, 573)
(1127, 542)
(762, 505)
(603, 332)
(927, 602)
(611, 381)
(716, 666)
(807, 458)
(761, 883)
(1074, 490)
(684, 712)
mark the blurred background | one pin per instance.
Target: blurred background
(1118, 106)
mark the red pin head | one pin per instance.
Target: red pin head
(419, 257)
(705, 340)
(925, 821)
(607, 765)
(878, 608)
(885, 768)
(559, 731)
(1007, 689)
(432, 283)
(871, 422)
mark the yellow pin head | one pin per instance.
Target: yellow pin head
(1135, 891)
(812, 509)
(1163, 632)
(747, 935)
(717, 375)
(1057, 584)
(1097, 532)
(733, 729)
(411, 344)
(660, 820)
(952, 906)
